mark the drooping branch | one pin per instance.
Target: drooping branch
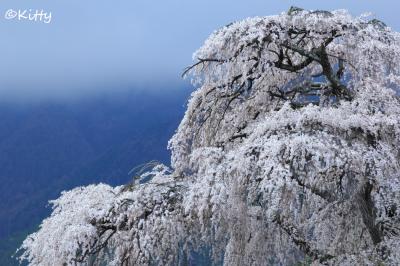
(300, 241)
(285, 52)
(159, 201)
(200, 62)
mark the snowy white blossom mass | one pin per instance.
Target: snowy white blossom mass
(288, 154)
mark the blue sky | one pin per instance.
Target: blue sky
(94, 45)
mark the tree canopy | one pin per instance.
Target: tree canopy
(288, 152)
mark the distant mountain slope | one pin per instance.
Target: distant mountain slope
(47, 148)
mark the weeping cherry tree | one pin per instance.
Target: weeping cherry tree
(288, 153)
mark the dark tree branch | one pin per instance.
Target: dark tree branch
(300, 241)
(201, 61)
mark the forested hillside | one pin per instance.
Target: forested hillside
(53, 146)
